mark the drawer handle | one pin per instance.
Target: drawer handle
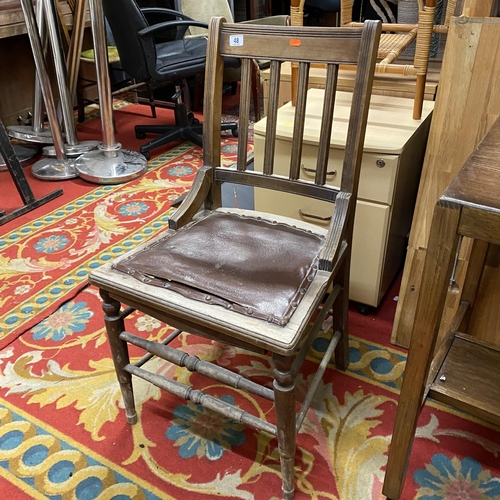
(316, 217)
(313, 170)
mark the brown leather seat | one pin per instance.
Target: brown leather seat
(247, 264)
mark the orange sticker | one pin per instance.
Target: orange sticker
(295, 43)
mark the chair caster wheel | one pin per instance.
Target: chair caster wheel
(192, 120)
(140, 135)
(364, 309)
(234, 131)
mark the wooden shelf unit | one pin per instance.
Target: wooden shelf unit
(17, 75)
(469, 377)
(464, 371)
(12, 18)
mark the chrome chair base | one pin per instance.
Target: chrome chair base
(52, 169)
(111, 165)
(72, 150)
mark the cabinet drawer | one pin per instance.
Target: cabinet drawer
(378, 172)
(371, 226)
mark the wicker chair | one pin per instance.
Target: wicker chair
(394, 43)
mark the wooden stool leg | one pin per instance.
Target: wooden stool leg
(340, 316)
(284, 400)
(418, 102)
(119, 351)
(437, 270)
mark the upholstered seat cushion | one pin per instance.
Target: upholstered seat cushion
(253, 266)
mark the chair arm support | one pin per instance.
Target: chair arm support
(152, 30)
(194, 199)
(333, 242)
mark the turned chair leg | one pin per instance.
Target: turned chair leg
(284, 400)
(119, 351)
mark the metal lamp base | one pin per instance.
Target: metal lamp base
(26, 154)
(26, 133)
(72, 151)
(52, 169)
(111, 165)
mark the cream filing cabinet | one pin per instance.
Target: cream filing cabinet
(390, 172)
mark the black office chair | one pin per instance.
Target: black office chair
(150, 60)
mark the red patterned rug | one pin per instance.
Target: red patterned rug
(63, 433)
(46, 255)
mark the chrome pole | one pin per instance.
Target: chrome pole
(58, 168)
(110, 164)
(36, 132)
(72, 146)
(38, 115)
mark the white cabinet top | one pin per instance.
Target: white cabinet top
(390, 123)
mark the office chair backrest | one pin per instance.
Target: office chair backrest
(330, 46)
(126, 20)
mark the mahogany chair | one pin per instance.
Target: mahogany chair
(251, 279)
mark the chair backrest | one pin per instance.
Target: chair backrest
(346, 7)
(330, 46)
(126, 20)
(204, 10)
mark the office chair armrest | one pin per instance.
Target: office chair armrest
(153, 30)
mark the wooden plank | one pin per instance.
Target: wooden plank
(471, 372)
(469, 92)
(475, 8)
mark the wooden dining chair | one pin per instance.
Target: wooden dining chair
(250, 279)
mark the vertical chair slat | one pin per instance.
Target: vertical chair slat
(246, 73)
(299, 120)
(326, 123)
(272, 116)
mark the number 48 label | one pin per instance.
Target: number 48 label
(236, 41)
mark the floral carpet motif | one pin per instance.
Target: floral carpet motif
(46, 261)
(63, 432)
